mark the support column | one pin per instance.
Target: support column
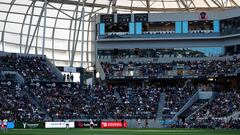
(216, 26)
(44, 27)
(139, 28)
(185, 26)
(178, 27)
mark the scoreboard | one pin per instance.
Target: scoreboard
(107, 19)
(141, 17)
(124, 18)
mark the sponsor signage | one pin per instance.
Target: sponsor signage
(54, 84)
(70, 69)
(8, 83)
(115, 124)
(32, 125)
(59, 124)
(203, 16)
(9, 125)
(171, 76)
(84, 124)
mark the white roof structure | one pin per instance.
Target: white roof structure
(61, 30)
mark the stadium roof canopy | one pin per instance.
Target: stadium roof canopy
(155, 5)
(63, 33)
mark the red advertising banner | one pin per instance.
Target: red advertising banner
(115, 124)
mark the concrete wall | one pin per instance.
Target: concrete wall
(211, 15)
(184, 16)
(206, 94)
(170, 43)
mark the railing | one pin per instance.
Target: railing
(135, 72)
(54, 70)
(166, 75)
(17, 76)
(230, 32)
(191, 101)
(170, 35)
(160, 59)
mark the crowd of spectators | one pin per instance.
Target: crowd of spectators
(71, 102)
(219, 123)
(215, 114)
(98, 102)
(230, 26)
(16, 106)
(101, 101)
(150, 53)
(176, 97)
(224, 105)
(32, 68)
(138, 102)
(178, 68)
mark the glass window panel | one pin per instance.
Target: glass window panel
(11, 37)
(11, 47)
(3, 15)
(4, 7)
(15, 17)
(13, 27)
(61, 44)
(62, 34)
(19, 9)
(63, 23)
(1, 26)
(24, 2)
(52, 12)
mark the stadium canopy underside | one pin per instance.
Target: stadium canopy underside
(61, 29)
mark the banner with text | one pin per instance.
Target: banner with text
(115, 124)
(59, 124)
(85, 124)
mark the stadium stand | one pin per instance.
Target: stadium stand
(188, 68)
(100, 102)
(32, 68)
(176, 97)
(226, 103)
(72, 103)
(139, 102)
(16, 106)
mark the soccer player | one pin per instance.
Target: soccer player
(67, 124)
(139, 123)
(1, 124)
(146, 123)
(91, 124)
(4, 125)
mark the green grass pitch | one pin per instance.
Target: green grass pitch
(121, 132)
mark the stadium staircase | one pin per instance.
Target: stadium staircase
(200, 97)
(34, 101)
(54, 70)
(161, 105)
(19, 79)
(118, 97)
(193, 108)
(190, 102)
(196, 111)
(233, 116)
